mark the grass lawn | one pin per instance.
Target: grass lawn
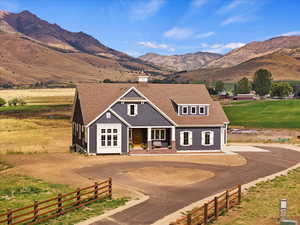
(265, 114)
(260, 204)
(18, 191)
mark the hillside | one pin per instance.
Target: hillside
(186, 62)
(34, 50)
(254, 50)
(284, 65)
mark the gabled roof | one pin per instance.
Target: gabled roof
(95, 98)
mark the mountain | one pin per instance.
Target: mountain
(255, 49)
(33, 50)
(284, 65)
(187, 62)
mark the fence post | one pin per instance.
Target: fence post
(189, 218)
(59, 203)
(239, 194)
(96, 190)
(78, 196)
(205, 219)
(216, 208)
(36, 210)
(227, 200)
(9, 216)
(110, 188)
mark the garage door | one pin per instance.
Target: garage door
(109, 138)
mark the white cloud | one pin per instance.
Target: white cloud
(235, 19)
(198, 3)
(291, 33)
(9, 5)
(144, 9)
(221, 48)
(205, 35)
(153, 45)
(235, 4)
(134, 53)
(179, 33)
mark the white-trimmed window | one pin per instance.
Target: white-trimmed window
(201, 110)
(186, 138)
(193, 109)
(185, 110)
(207, 138)
(108, 115)
(132, 109)
(158, 134)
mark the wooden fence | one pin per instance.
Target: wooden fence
(41, 211)
(211, 210)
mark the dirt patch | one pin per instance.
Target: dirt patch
(170, 176)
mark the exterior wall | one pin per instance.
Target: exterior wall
(93, 133)
(132, 94)
(165, 143)
(147, 115)
(197, 142)
(78, 119)
(206, 110)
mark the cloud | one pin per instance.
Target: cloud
(149, 44)
(205, 35)
(235, 4)
(291, 33)
(198, 3)
(9, 5)
(144, 9)
(235, 19)
(221, 48)
(179, 33)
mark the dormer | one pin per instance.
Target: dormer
(193, 109)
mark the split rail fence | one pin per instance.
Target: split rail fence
(41, 211)
(210, 211)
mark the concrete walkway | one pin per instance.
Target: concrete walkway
(165, 200)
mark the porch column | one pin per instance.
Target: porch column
(149, 138)
(173, 139)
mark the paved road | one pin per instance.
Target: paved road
(166, 200)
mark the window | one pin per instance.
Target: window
(193, 110)
(132, 110)
(158, 134)
(109, 137)
(184, 110)
(186, 138)
(108, 115)
(201, 110)
(207, 138)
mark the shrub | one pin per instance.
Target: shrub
(2, 102)
(16, 101)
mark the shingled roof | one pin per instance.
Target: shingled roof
(97, 97)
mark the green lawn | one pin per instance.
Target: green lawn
(265, 114)
(18, 191)
(260, 204)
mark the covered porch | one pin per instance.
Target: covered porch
(151, 139)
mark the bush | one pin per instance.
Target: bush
(16, 101)
(2, 102)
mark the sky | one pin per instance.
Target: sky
(169, 27)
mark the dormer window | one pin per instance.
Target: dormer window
(132, 110)
(201, 110)
(184, 110)
(193, 110)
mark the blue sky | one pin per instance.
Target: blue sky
(169, 26)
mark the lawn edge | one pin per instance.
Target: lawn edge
(139, 199)
(174, 216)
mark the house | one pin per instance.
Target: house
(120, 118)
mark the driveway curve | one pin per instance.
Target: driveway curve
(165, 200)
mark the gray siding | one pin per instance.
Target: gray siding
(147, 115)
(93, 132)
(132, 93)
(77, 118)
(190, 110)
(197, 144)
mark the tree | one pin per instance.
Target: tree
(243, 86)
(262, 82)
(2, 102)
(219, 86)
(281, 89)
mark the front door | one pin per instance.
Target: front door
(109, 138)
(137, 137)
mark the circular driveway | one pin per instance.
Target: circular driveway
(165, 200)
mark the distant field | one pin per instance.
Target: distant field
(265, 114)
